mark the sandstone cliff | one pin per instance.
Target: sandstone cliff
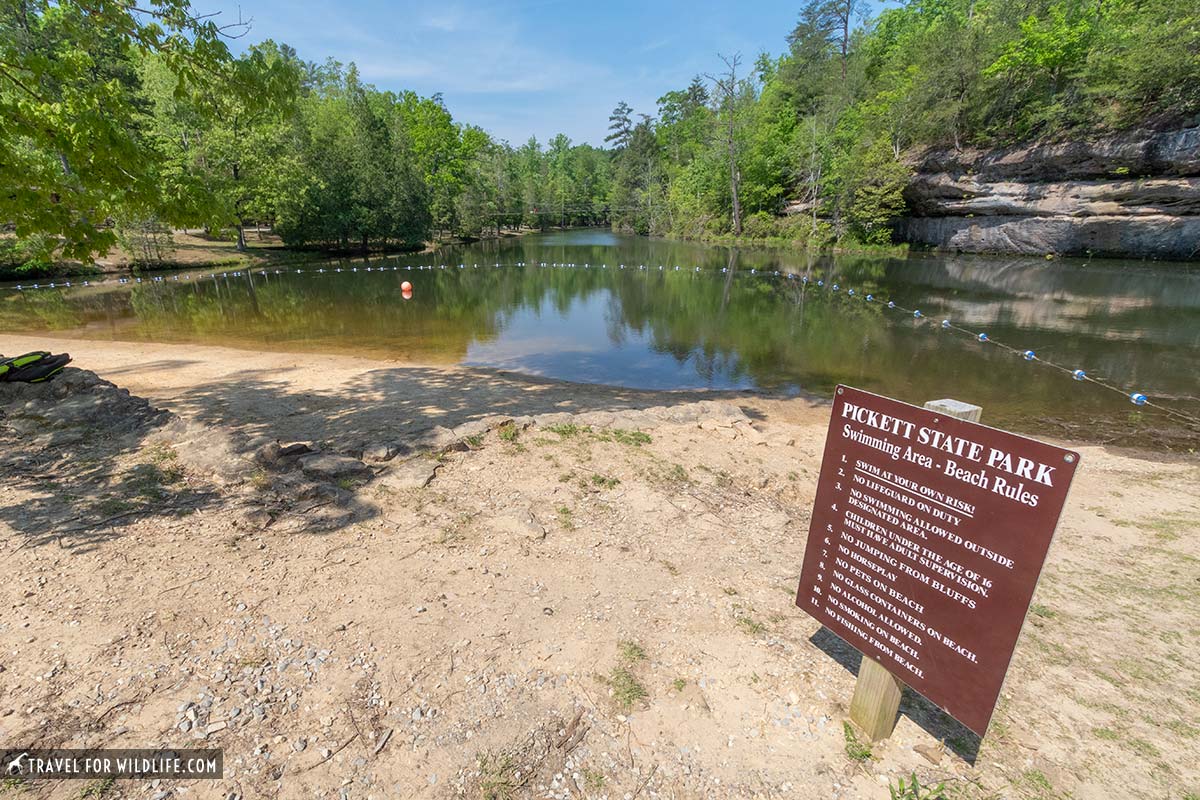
(1133, 195)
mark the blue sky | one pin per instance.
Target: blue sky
(524, 68)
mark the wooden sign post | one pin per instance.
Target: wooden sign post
(928, 534)
(877, 694)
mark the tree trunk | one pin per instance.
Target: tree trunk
(846, 38)
(241, 237)
(735, 177)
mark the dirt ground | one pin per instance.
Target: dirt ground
(484, 585)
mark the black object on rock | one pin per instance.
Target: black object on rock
(34, 367)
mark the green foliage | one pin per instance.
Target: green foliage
(626, 688)
(74, 142)
(147, 241)
(499, 776)
(99, 788)
(825, 127)
(605, 482)
(27, 256)
(855, 750)
(631, 651)
(142, 117)
(118, 122)
(913, 790)
(632, 438)
(875, 183)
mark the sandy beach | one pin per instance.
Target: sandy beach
(496, 586)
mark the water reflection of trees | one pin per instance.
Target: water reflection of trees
(730, 328)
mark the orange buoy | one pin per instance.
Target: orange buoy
(406, 287)
(406, 294)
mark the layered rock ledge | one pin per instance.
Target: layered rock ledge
(1133, 195)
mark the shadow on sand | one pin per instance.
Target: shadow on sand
(402, 403)
(962, 741)
(83, 479)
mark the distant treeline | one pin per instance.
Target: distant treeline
(119, 121)
(821, 131)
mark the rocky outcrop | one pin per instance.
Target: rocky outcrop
(1133, 195)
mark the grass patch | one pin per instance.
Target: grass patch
(623, 685)
(913, 790)
(605, 482)
(162, 453)
(626, 689)
(97, 788)
(631, 438)
(260, 480)
(508, 433)
(569, 430)
(566, 518)
(149, 480)
(593, 779)
(631, 652)
(857, 751)
(497, 777)
(474, 442)
(1106, 734)
(1035, 782)
(679, 684)
(674, 475)
(749, 625)
(1168, 528)
(114, 505)
(1043, 611)
(1143, 748)
(1181, 728)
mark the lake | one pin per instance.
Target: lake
(733, 325)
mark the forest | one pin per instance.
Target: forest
(823, 130)
(118, 119)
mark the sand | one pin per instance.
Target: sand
(597, 605)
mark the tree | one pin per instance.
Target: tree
(727, 87)
(221, 135)
(621, 125)
(840, 16)
(74, 150)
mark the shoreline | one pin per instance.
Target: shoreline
(477, 558)
(210, 253)
(181, 367)
(182, 372)
(205, 252)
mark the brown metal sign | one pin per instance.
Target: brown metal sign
(928, 535)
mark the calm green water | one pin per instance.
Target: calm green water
(745, 329)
